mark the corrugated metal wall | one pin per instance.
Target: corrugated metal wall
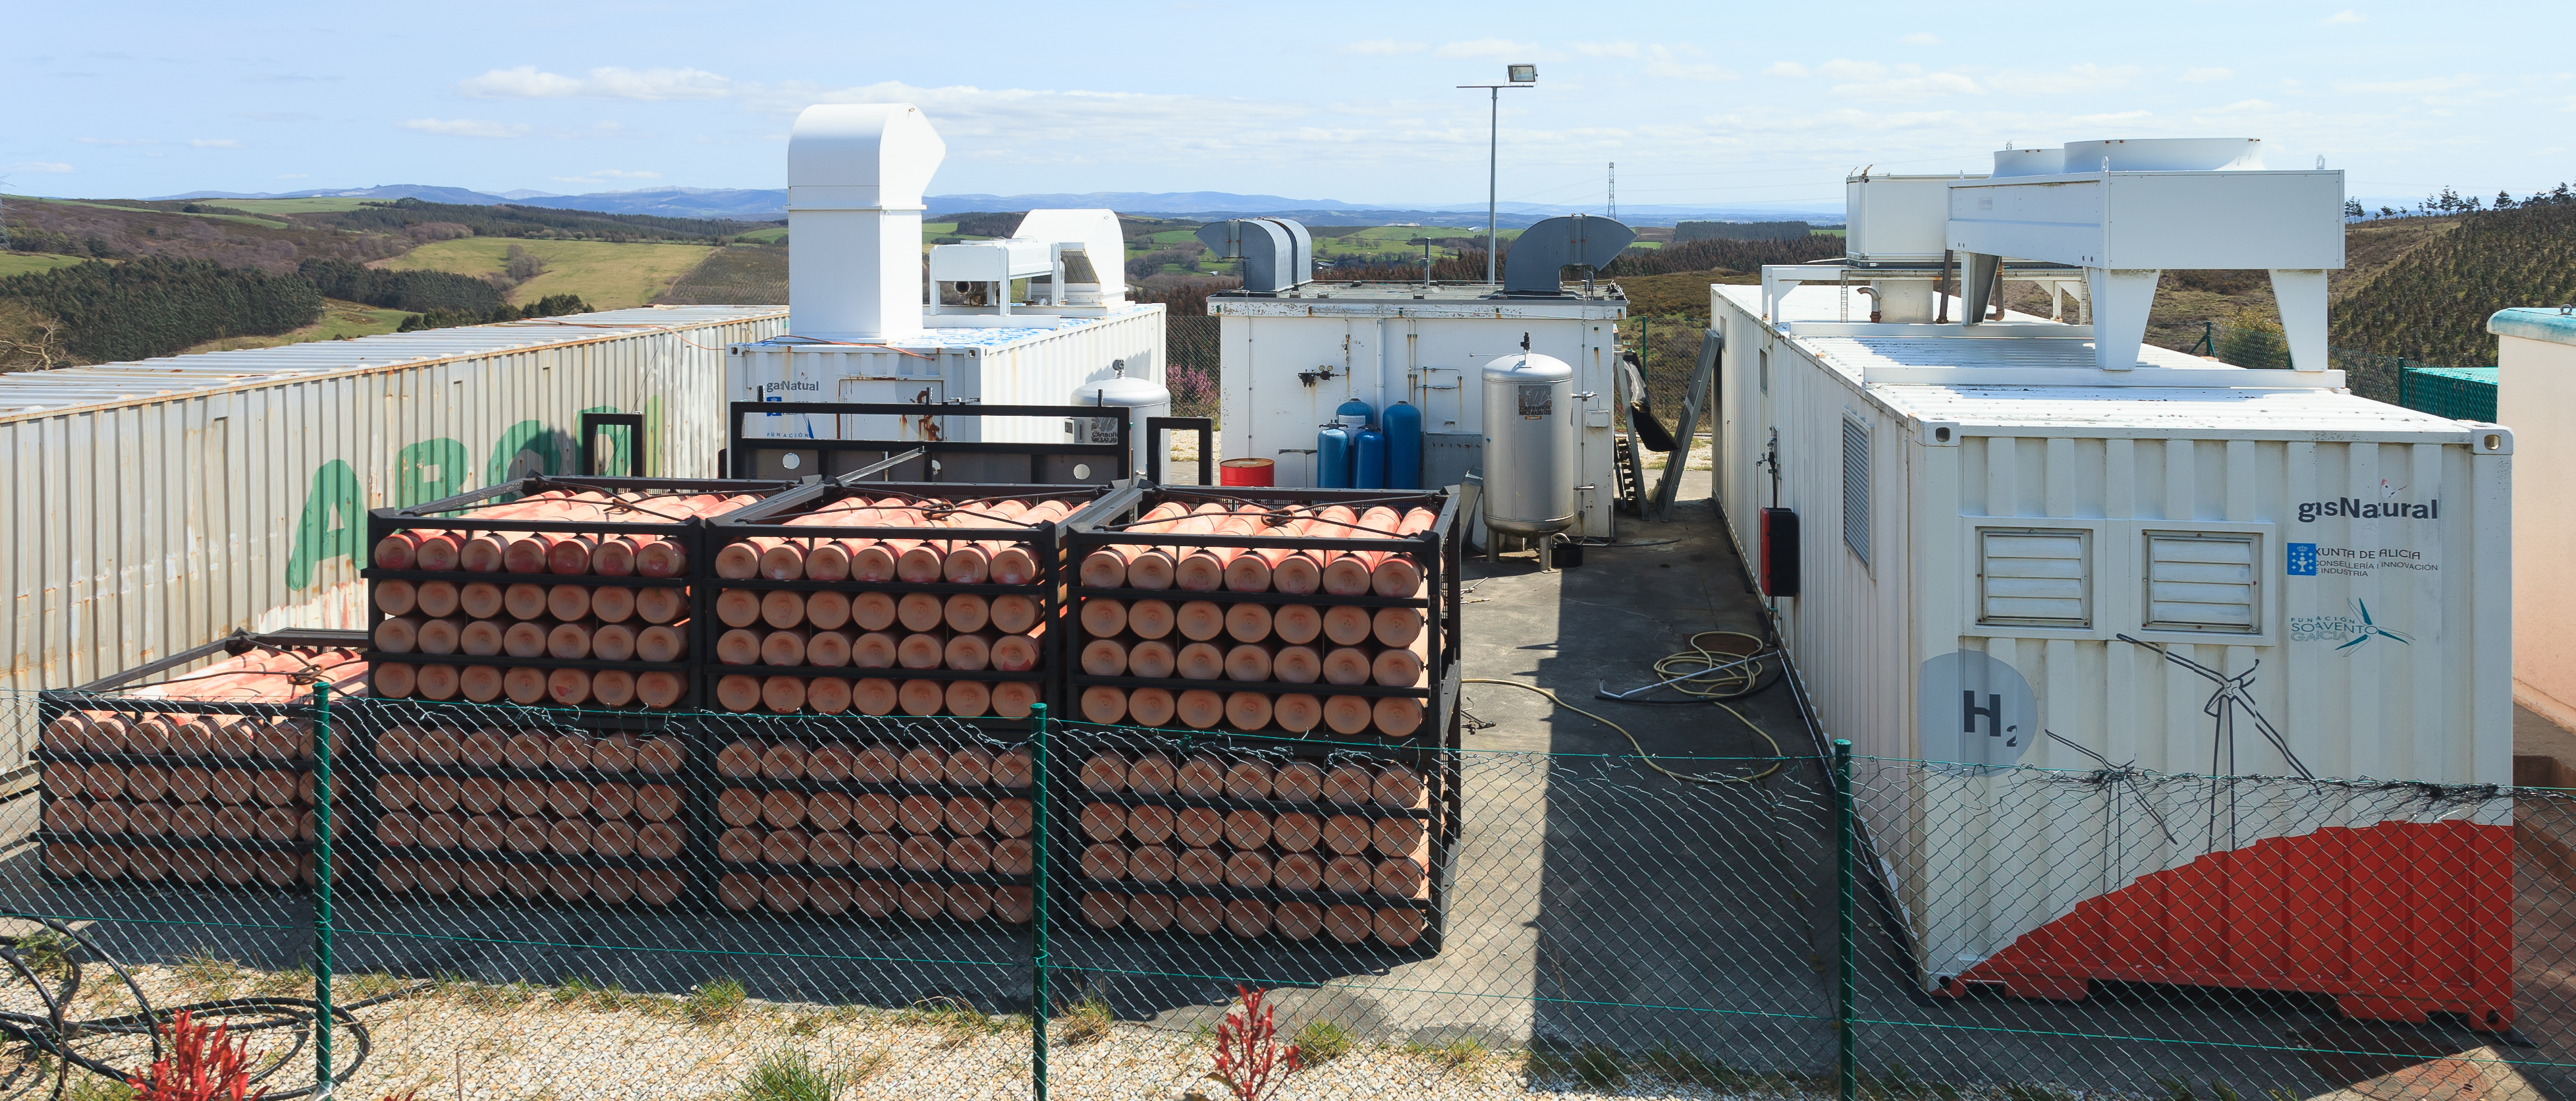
(156, 506)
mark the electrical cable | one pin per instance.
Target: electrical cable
(50, 1034)
(1641, 747)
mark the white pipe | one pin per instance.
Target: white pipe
(1381, 375)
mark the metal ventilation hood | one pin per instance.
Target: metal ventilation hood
(1542, 252)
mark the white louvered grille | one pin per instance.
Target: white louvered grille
(2035, 577)
(2202, 582)
(1856, 487)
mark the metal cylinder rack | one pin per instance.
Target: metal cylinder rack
(958, 639)
(500, 601)
(203, 780)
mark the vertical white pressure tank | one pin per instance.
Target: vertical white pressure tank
(1135, 399)
(1529, 445)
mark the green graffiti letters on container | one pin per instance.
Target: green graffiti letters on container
(333, 525)
(525, 448)
(431, 470)
(653, 435)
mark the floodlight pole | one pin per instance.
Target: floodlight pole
(1493, 171)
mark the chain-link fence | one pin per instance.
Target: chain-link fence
(536, 902)
(1192, 346)
(2391, 379)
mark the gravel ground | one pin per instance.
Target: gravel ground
(524, 1042)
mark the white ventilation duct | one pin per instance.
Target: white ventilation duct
(1094, 235)
(855, 175)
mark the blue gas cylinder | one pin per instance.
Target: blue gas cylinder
(1403, 424)
(1333, 457)
(1368, 462)
(1354, 415)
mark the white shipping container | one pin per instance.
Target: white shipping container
(1031, 357)
(2011, 557)
(1292, 359)
(158, 505)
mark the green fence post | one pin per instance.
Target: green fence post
(322, 890)
(1846, 1044)
(1038, 900)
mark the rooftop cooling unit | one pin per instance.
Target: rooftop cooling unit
(1277, 254)
(2125, 211)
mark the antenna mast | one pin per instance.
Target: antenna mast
(1614, 191)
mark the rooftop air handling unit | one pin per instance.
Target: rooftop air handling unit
(1277, 254)
(2124, 211)
(1057, 247)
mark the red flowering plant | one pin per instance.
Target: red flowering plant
(1250, 1060)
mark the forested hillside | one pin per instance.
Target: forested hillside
(2432, 303)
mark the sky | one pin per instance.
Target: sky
(1697, 103)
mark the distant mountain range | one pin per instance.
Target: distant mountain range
(761, 205)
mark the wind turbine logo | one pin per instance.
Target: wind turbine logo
(2370, 629)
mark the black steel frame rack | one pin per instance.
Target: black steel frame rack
(1437, 549)
(1045, 540)
(688, 532)
(97, 695)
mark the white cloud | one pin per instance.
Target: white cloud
(2347, 16)
(1921, 38)
(2204, 76)
(1663, 62)
(1872, 81)
(2087, 77)
(2419, 86)
(215, 143)
(1381, 47)
(1496, 48)
(1785, 69)
(465, 128)
(117, 141)
(611, 82)
(40, 166)
(1607, 49)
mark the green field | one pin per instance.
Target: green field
(608, 275)
(773, 233)
(339, 319)
(20, 263)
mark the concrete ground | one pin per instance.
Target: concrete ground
(1596, 901)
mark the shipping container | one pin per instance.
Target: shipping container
(1040, 358)
(2013, 557)
(1293, 358)
(159, 505)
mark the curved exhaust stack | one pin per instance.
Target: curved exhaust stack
(855, 174)
(1540, 255)
(1278, 256)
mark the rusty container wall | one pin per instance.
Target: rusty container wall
(155, 506)
(2233, 573)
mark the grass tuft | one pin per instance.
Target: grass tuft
(785, 1075)
(1456, 1054)
(1084, 1021)
(208, 974)
(1322, 1042)
(716, 1000)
